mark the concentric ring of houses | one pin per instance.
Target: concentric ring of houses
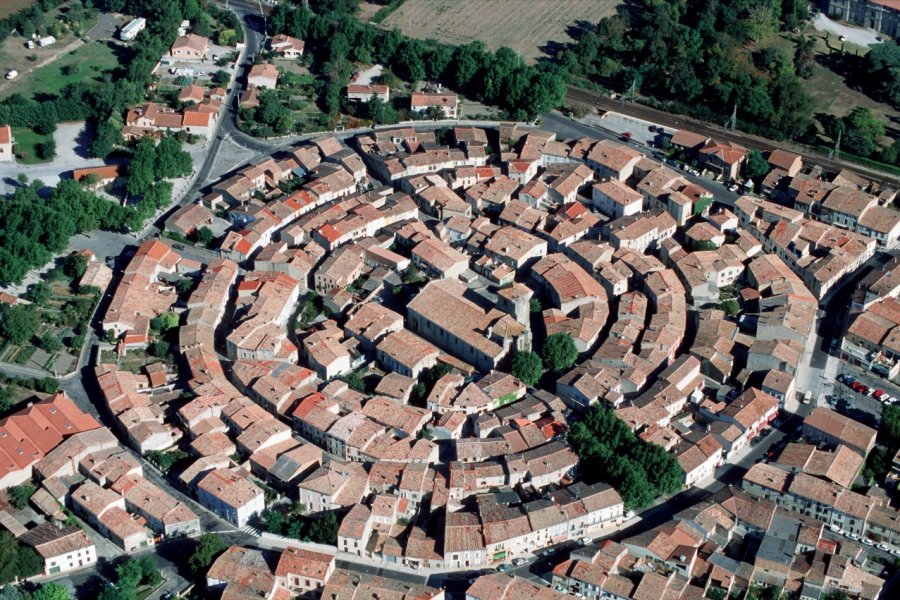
(609, 265)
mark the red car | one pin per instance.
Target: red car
(855, 386)
(878, 394)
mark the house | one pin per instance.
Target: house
(188, 219)
(420, 102)
(830, 428)
(230, 494)
(688, 141)
(406, 353)
(104, 175)
(786, 161)
(615, 199)
(63, 548)
(192, 94)
(287, 46)
(303, 571)
(363, 93)
(6, 143)
(263, 75)
(724, 158)
(190, 47)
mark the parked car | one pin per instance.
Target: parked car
(842, 378)
(878, 394)
(883, 547)
(504, 568)
(894, 552)
(519, 561)
(629, 515)
(585, 541)
(835, 529)
(550, 551)
(852, 536)
(868, 542)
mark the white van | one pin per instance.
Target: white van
(12, 74)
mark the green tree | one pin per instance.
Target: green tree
(206, 550)
(527, 367)
(164, 322)
(559, 352)
(39, 293)
(274, 521)
(19, 495)
(206, 236)
(165, 460)
(107, 138)
(862, 131)
(11, 592)
(18, 322)
(221, 77)
(149, 570)
(129, 573)
(46, 150)
(355, 381)
(50, 342)
(805, 57)
(17, 560)
(756, 166)
(730, 307)
(889, 432)
(705, 245)
(48, 385)
(171, 160)
(142, 168)
(534, 305)
(74, 265)
(882, 65)
(51, 591)
(323, 530)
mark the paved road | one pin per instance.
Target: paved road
(855, 35)
(604, 102)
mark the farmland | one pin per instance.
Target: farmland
(9, 7)
(526, 26)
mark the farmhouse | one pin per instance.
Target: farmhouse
(190, 47)
(364, 93)
(420, 102)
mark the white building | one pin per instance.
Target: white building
(229, 494)
(63, 549)
(130, 31)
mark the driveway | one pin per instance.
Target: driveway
(366, 77)
(855, 35)
(106, 27)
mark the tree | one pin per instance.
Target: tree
(18, 323)
(48, 385)
(704, 245)
(39, 293)
(206, 550)
(889, 431)
(165, 460)
(108, 136)
(206, 236)
(221, 77)
(355, 381)
(171, 160)
(527, 367)
(50, 342)
(19, 495)
(17, 560)
(142, 168)
(559, 352)
(51, 591)
(164, 322)
(129, 573)
(274, 521)
(882, 65)
(756, 166)
(805, 57)
(11, 592)
(74, 265)
(534, 305)
(149, 570)
(862, 131)
(46, 150)
(324, 529)
(730, 307)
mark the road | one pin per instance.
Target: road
(570, 128)
(810, 157)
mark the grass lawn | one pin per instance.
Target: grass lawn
(26, 140)
(10, 7)
(82, 64)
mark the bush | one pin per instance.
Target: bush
(19, 495)
(46, 150)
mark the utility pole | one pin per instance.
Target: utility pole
(629, 93)
(836, 151)
(731, 123)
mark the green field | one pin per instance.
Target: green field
(82, 64)
(26, 140)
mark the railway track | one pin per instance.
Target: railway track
(752, 142)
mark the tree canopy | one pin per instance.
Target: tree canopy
(527, 367)
(208, 547)
(559, 352)
(16, 559)
(611, 452)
